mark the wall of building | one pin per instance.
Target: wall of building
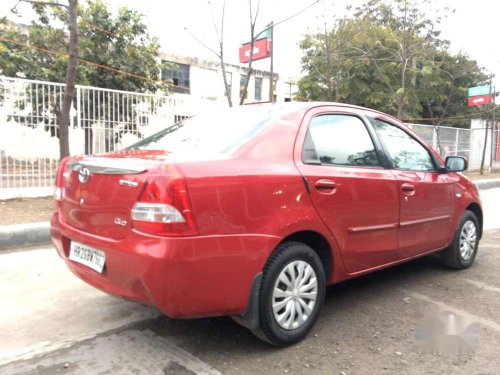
(477, 139)
(206, 81)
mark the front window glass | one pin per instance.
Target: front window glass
(405, 152)
(339, 140)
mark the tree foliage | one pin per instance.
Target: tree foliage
(119, 41)
(388, 56)
(115, 51)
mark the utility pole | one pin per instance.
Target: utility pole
(493, 126)
(271, 73)
(485, 146)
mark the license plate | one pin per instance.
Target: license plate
(87, 256)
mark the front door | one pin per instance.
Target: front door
(354, 195)
(426, 196)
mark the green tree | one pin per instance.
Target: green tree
(115, 51)
(337, 66)
(328, 61)
(119, 41)
(443, 87)
(412, 38)
(389, 58)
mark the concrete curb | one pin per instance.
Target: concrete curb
(21, 235)
(487, 183)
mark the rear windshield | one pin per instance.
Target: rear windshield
(211, 133)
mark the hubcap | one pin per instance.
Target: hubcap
(468, 240)
(294, 295)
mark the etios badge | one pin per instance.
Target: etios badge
(83, 175)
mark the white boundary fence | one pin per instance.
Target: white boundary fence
(104, 120)
(101, 120)
(465, 142)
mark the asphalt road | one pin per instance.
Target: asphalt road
(52, 323)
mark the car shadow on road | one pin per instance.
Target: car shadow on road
(220, 336)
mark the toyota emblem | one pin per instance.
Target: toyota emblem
(83, 175)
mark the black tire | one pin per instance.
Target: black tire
(452, 257)
(285, 255)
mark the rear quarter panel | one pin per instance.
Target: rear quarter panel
(256, 191)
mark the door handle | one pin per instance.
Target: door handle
(325, 186)
(408, 189)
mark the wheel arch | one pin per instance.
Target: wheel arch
(318, 243)
(311, 238)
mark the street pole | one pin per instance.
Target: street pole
(485, 146)
(271, 73)
(493, 126)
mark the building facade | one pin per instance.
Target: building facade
(202, 79)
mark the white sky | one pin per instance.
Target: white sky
(471, 29)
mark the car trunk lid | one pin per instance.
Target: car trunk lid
(99, 192)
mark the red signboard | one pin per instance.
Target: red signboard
(261, 50)
(478, 100)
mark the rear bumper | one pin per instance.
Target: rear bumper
(184, 277)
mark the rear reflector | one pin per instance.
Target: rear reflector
(61, 176)
(58, 193)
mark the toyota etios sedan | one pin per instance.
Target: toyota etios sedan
(251, 212)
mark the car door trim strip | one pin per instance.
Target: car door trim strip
(423, 221)
(372, 228)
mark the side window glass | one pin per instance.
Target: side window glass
(405, 152)
(339, 140)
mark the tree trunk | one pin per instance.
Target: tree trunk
(485, 146)
(438, 139)
(337, 86)
(402, 96)
(69, 92)
(243, 93)
(226, 84)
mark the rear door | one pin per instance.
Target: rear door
(426, 196)
(356, 197)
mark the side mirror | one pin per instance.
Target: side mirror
(455, 164)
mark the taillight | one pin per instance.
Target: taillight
(164, 207)
(62, 174)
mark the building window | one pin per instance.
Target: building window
(273, 97)
(179, 75)
(258, 88)
(229, 79)
(242, 84)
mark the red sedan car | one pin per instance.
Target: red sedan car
(251, 212)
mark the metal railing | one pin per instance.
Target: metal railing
(465, 142)
(101, 120)
(105, 120)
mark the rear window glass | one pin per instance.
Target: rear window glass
(336, 139)
(214, 132)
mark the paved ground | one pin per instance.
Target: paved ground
(26, 210)
(491, 207)
(52, 323)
